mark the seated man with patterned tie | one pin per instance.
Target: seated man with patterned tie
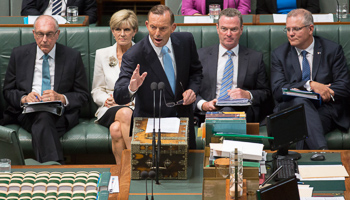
(315, 64)
(58, 7)
(231, 70)
(162, 56)
(45, 71)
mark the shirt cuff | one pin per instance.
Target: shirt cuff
(131, 92)
(20, 102)
(251, 96)
(67, 102)
(307, 86)
(200, 103)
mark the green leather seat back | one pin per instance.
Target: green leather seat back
(10, 147)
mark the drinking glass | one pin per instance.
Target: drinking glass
(5, 165)
(72, 13)
(214, 11)
(342, 10)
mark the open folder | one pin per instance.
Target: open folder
(313, 96)
(54, 107)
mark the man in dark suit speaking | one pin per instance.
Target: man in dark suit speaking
(315, 64)
(162, 56)
(246, 74)
(58, 7)
(45, 71)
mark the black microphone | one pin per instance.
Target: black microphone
(337, 10)
(144, 175)
(152, 174)
(154, 88)
(160, 88)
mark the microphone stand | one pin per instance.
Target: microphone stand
(160, 88)
(153, 88)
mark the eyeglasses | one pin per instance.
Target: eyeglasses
(173, 104)
(49, 35)
(294, 29)
(119, 30)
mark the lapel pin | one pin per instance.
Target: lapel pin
(319, 52)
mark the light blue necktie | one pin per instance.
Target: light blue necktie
(56, 7)
(46, 82)
(168, 67)
(227, 78)
(306, 67)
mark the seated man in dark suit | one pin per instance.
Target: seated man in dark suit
(246, 74)
(315, 64)
(45, 71)
(162, 56)
(58, 7)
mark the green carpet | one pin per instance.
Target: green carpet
(193, 184)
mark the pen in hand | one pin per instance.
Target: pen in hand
(332, 97)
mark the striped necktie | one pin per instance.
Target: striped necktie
(168, 67)
(227, 79)
(306, 67)
(46, 82)
(56, 7)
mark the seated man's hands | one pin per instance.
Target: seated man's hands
(51, 95)
(323, 90)
(136, 80)
(189, 97)
(210, 105)
(238, 93)
(31, 97)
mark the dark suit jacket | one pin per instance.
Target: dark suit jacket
(37, 7)
(251, 75)
(70, 79)
(329, 67)
(270, 6)
(188, 71)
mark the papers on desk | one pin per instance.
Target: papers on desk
(322, 171)
(282, 18)
(234, 102)
(250, 150)
(113, 185)
(59, 18)
(198, 19)
(305, 191)
(168, 125)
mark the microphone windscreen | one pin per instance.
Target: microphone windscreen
(152, 174)
(161, 86)
(153, 86)
(144, 174)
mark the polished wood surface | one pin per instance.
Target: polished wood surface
(345, 159)
(17, 21)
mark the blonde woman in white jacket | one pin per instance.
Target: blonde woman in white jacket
(116, 117)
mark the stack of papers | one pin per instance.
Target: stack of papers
(250, 150)
(234, 102)
(322, 172)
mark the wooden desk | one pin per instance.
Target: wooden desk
(17, 21)
(345, 158)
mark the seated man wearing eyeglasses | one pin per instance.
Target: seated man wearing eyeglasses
(232, 71)
(312, 63)
(45, 71)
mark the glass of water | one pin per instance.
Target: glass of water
(72, 13)
(5, 165)
(214, 11)
(342, 10)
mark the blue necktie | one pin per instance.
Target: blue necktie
(168, 67)
(56, 7)
(227, 79)
(306, 67)
(46, 82)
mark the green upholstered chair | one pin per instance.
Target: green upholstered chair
(11, 149)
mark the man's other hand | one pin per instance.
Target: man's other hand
(189, 97)
(210, 105)
(323, 90)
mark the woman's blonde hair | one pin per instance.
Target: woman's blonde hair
(122, 17)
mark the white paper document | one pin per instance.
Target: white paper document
(168, 125)
(250, 150)
(322, 171)
(305, 190)
(198, 19)
(113, 186)
(60, 19)
(282, 18)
